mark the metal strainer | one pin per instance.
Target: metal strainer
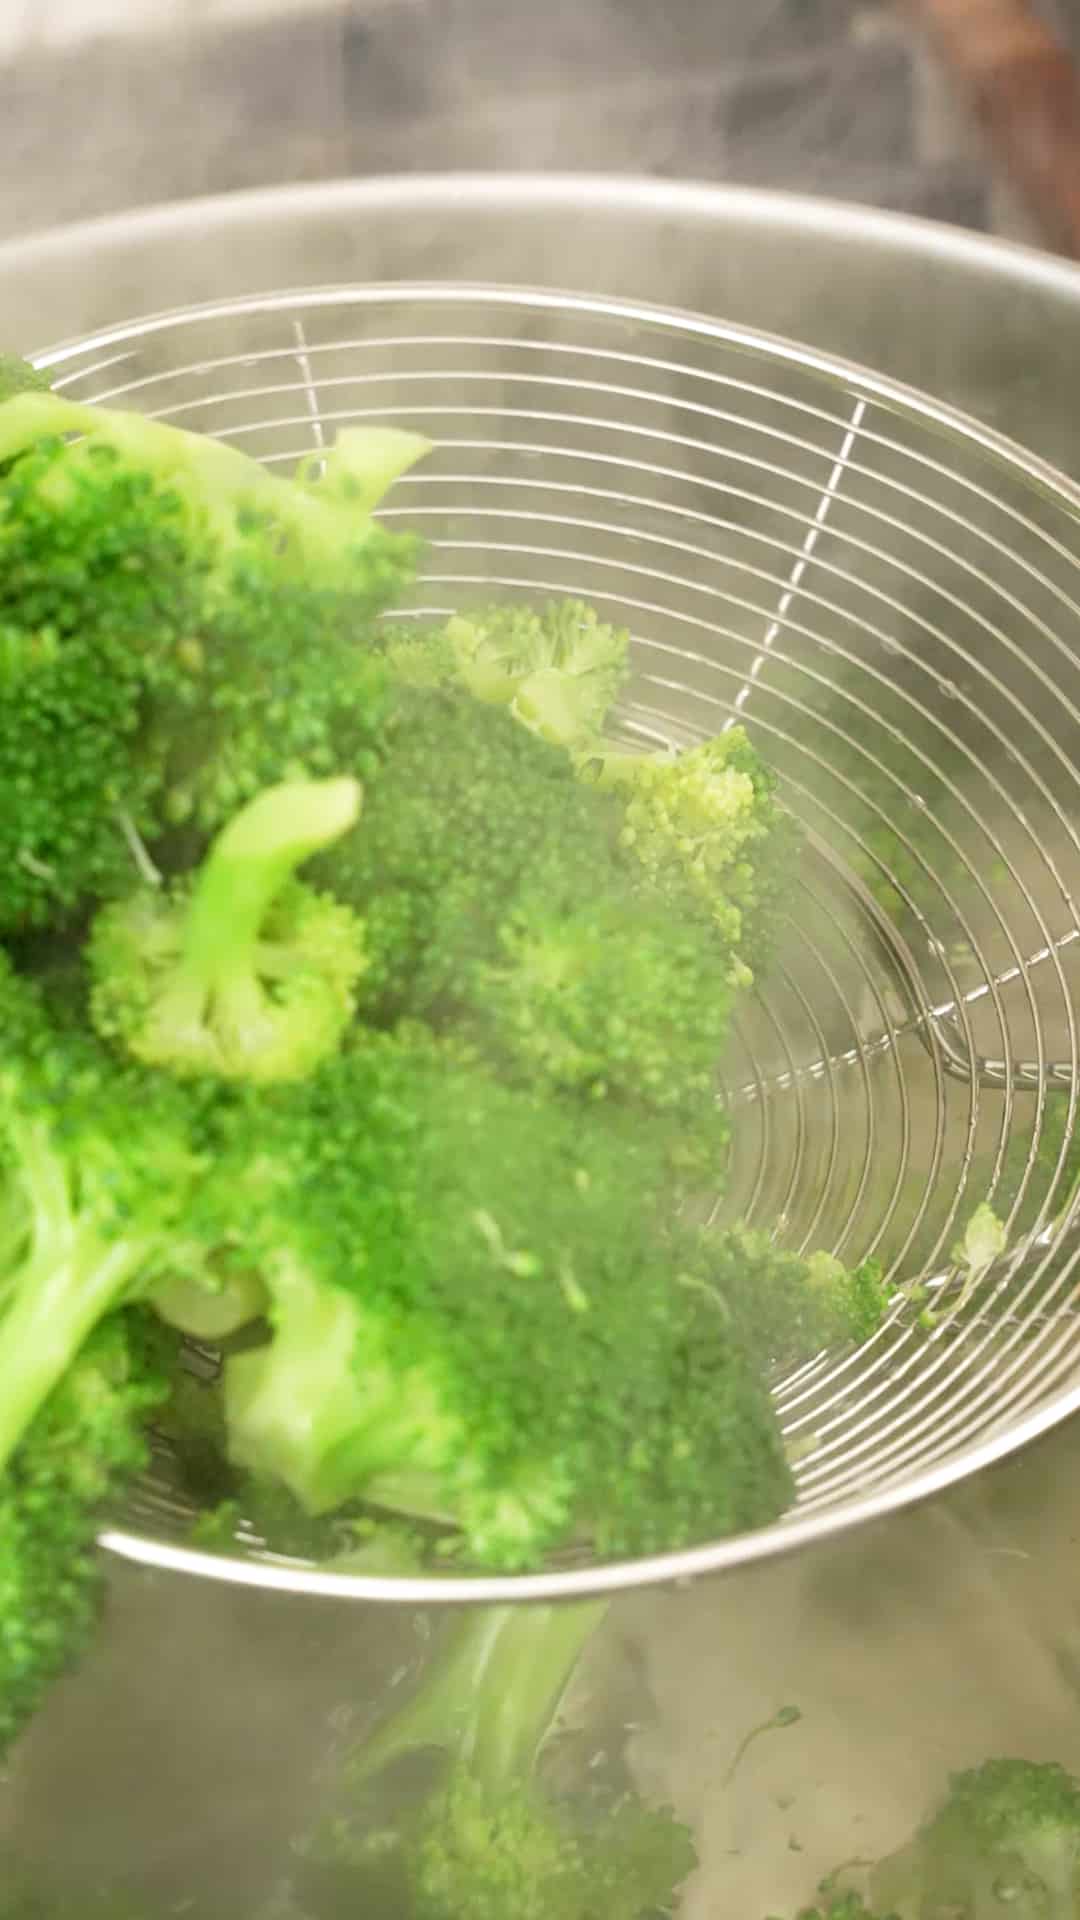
(886, 594)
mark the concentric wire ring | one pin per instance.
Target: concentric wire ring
(887, 596)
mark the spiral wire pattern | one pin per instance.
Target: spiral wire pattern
(886, 595)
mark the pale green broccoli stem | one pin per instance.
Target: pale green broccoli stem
(247, 866)
(67, 1283)
(326, 518)
(494, 1694)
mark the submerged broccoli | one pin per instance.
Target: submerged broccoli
(558, 670)
(72, 1456)
(447, 1812)
(247, 973)
(474, 1318)
(1008, 1835)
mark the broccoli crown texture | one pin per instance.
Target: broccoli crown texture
(461, 804)
(98, 1173)
(178, 628)
(481, 1299)
(705, 826)
(99, 585)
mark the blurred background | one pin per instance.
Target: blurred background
(106, 104)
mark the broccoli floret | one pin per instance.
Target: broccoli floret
(595, 990)
(322, 516)
(706, 823)
(98, 588)
(558, 670)
(101, 1167)
(477, 1321)
(785, 1307)
(246, 974)
(178, 628)
(460, 804)
(74, 1455)
(1008, 1835)
(447, 1812)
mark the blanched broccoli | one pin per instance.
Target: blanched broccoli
(1007, 1835)
(459, 805)
(85, 1441)
(786, 1307)
(98, 591)
(99, 1171)
(178, 628)
(601, 992)
(706, 823)
(245, 973)
(474, 1318)
(447, 1813)
(557, 669)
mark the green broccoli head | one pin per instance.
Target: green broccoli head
(101, 1172)
(178, 628)
(247, 974)
(1008, 1835)
(557, 669)
(596, 990)
(785, 1306)
(478, 1323)
(460, 804)
(706, 824)
(80, 1448)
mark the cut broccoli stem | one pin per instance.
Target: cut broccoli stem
(494, 1693)
(244, 872)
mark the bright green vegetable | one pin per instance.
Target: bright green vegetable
(245, 973)
(178, 628)
(705, 824)
(97, 1171)
(474, 1318)
(557, 669)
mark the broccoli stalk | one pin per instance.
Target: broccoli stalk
(448, 1809)
(250, 975)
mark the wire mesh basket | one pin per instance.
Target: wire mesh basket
(886, 595)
